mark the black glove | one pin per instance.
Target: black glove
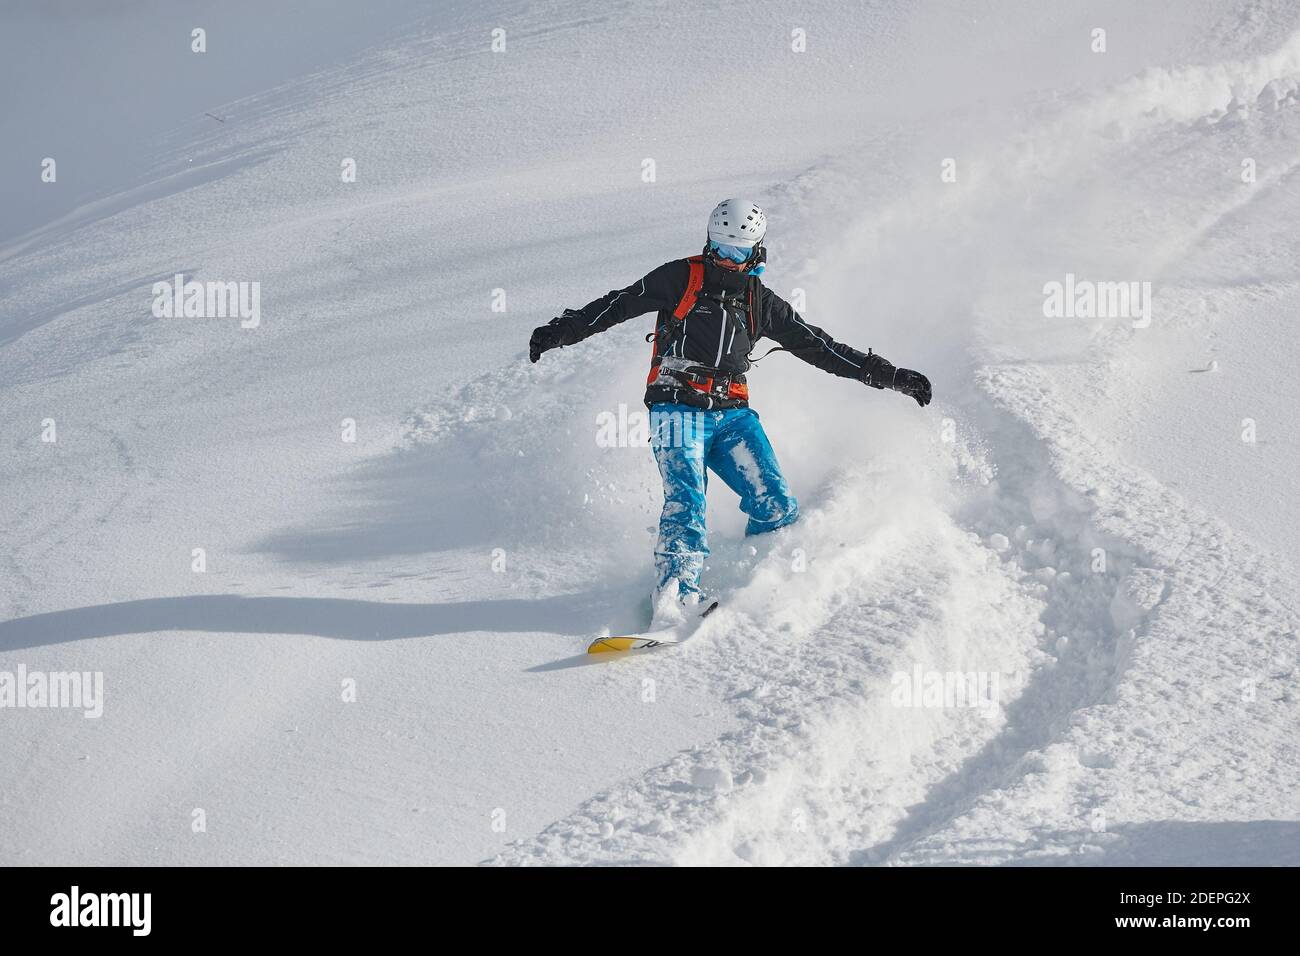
(914, 384)
(546, 337)
(879, 373)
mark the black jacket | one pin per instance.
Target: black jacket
(701, 359)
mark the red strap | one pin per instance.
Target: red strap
(694, 283)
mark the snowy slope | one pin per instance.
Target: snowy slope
(455, 559)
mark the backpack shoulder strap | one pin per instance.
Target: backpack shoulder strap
(755, 302)
(694, 282)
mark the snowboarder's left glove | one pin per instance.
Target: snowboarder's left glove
(879, 373)
(914, 384)
(548, 336)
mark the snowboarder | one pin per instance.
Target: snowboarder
(712, 309)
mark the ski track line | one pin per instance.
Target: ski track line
(1204, 580)
(1176, 560)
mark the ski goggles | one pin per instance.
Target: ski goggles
(734, 253)
(756, 256)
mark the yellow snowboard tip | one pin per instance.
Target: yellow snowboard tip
(607, 644)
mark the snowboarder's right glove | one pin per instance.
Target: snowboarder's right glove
(879, 373)
(548, 336)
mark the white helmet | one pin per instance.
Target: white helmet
(737, 222)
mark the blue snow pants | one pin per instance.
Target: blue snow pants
(688, 443)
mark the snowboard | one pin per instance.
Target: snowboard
(644, 642)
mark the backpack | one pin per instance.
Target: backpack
(694, 283)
